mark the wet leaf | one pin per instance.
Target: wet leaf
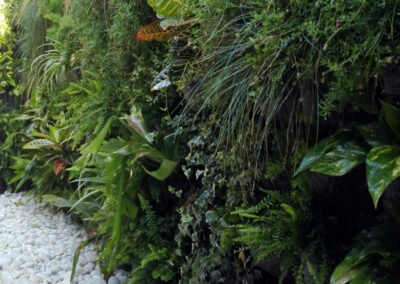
(376, 134)
(335, 155)
(383, 166)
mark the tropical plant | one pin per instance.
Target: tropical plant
(374, 143)
(374, 258)
(50, 153)
(278, 227)
(118, 180)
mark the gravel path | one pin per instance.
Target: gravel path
(37, 245)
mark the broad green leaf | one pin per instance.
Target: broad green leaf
(172, 144)
(136, 121)
(17, 177)
(376, 134)
(335, 155)
(37, 144)
(55, 134)
(115, 145)
(167, 8)
(392, 117)
(57, 201)
(341, 159)
(352, 274)
(317, 151)
(383, 166)
(363, 261)
(165, 170)
(289, 209)
(93, 147)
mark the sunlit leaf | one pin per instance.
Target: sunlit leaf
(383, 166)
(341, 159)
(55, 134)
(335, 155)
(161, 85)
(93, 147)
(168, 8)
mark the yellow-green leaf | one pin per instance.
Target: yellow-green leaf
(383, 166)
(169, 8)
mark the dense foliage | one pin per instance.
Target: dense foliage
(181, 133)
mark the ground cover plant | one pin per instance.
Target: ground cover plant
(204, 141)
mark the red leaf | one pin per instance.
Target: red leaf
(59, 165)
(92, 233)
(154, 32)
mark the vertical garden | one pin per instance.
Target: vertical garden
(206, 141)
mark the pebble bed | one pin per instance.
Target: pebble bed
(37, 246)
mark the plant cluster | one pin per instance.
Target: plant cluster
(179, 132)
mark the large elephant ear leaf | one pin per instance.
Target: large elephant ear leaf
(383, 166)
(335, 155)
(168, 8)
(154, 31)
(391, 115)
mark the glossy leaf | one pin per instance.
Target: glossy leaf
(168, 8)
(363, 263)
(392, 117)
(154, 31)
(376, 134)
(341, 159)
(383, 166)
(335, 155)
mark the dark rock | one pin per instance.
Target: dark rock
(391, 79)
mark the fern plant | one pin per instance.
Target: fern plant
(279, 227)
